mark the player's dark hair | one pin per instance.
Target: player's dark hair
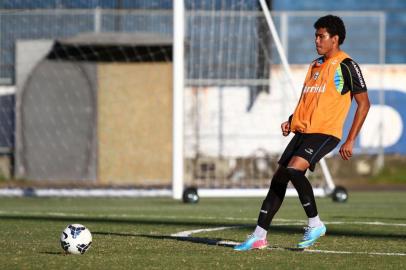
(334, 26)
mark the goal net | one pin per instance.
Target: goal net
(239, 88)
(97, 94)
(237, 93)
(95, 107)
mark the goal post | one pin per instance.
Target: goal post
(178, 89)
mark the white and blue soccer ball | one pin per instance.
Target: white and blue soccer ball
(76, 239)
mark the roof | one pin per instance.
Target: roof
(124, 39)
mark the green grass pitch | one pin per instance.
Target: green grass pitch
(367, 232)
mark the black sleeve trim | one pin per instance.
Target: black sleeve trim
(290, 118)
(353, 79)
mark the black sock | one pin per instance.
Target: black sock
(305, 191)
(274, 198)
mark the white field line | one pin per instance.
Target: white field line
(277, 221)
(374, 223)
(189, 233)
(354, 252)
(186, 234)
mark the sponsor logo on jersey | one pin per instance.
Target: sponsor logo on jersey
(316, 75)
(361, 80)
(314, 89)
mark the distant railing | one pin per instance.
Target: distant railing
(295, 28)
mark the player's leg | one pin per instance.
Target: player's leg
(273, 200)
(313, 147)
(270, 206)
(296, 169)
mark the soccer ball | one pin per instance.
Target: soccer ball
(76, 239)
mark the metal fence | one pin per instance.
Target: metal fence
(210, 56)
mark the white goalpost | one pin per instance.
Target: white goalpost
(178, 88)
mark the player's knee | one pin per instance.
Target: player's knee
(279, 186)
(281, 176)
(294, 173)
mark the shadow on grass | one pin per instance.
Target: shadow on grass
(60, 253)
(198, 240)
(342, 231)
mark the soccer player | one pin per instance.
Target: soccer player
(331, 82)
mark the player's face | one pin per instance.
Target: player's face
(324, 43)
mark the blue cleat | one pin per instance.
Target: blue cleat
(252, 242)
(311, 235)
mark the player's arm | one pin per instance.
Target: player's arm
(355, 83)
(359, 118)
(285, 126)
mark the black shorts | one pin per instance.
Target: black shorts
(312, 147)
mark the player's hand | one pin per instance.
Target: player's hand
(346, 150)
(285, 126)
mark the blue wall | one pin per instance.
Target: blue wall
(393, 98)
(395, 19)
(348, 5)
(125, 4)
(145, 4)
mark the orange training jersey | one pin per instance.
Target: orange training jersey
(322, 108)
